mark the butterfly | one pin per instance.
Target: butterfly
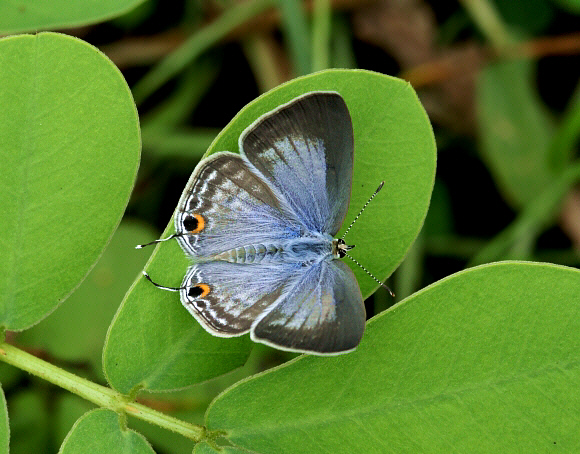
(260, 228)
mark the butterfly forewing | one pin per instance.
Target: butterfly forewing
(305, 150)
(236, 206)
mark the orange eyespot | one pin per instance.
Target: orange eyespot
(194, 223)
(205, 289)
(199, 291)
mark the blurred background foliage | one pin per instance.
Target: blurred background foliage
(499, 80)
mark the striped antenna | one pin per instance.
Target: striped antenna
(162, 287)
(363, 208)
(371, 275)
(161, 240)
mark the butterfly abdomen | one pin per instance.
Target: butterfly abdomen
(304, 250)
(253, 253)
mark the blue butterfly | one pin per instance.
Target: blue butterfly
(260, 227)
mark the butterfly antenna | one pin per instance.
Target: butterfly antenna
(160, 240)
(363, 208)
(371, 274)
(162, 287)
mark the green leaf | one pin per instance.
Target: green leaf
(4, 426)
(76, 331)
(99, 431)
(65, 411)
(69, 146)
(33, 15)
(486, 360)
(156, 344)
(515, 130)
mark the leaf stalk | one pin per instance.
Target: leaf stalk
(97, 394)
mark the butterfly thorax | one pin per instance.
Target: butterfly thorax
(304, 250)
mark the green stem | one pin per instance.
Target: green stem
(321, 35)
(411, 269)
(97, 394)
(261, 57)
(196, 45)
(296, 34)
(489, 22)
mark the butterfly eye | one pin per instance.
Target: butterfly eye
(198, 291)
(194, 223)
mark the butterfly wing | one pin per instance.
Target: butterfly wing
(322, 311)
(305, 150)
(226, 205)
(317, 309)
(226, 298)
(294, 176)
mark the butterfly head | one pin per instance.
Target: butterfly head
(340, 248)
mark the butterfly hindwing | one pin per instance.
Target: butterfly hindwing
(305, 150)
(316, 309)
(226, 298)
(322, 312)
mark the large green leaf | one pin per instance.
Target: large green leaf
(484, 361)
(34, 15)
(4, 427)
(69, 147)
(100, 432)
(76, 330)
(155, 343)
(515, 130)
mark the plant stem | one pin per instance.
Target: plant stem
(297, 34)
(97, 394)
(321, 35)
(489, 22)
(261, 55)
